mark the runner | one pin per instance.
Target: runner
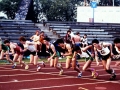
(31, 47)
(70, 60)
(106, 53)
(83, 52)
(17, 52)
(53, 55)
(5, 51)
(117, 48)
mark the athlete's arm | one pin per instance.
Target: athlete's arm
(30, 43)
(0, 47)
(12, 49)
(96, 56)
(54, 51)
(74, 55)
(86, 48)
(69, 50)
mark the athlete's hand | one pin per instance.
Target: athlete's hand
(49, 59)
(97, 63)
(62, 54)
(117, 64)
(112, 54)
(92, 55)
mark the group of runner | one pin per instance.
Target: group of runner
(70, 47)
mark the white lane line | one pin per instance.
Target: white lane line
(38, 79)
(71, 85)
(51, 73)
(61, 78)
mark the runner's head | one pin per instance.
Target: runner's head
(95, 43)
(46, 40)
(117, 42)
(22, 40)
(60, 42)
(7, 42)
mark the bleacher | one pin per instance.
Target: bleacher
(12, 29)
(102, 31)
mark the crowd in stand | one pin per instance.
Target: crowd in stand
(23, 10)
(70, 47)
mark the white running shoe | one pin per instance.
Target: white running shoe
(60, 57)
(38, 68)
(26, 67)
(61, 72)
(80, 74)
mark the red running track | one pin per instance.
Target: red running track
(48, 79)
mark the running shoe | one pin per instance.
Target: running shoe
(38, 68)
(79, 74)
(14, 66)
(26, 67)
(61, 72)
(43, 63)
(113, 76)
(93, 72)
(95, 75)
(60, 57)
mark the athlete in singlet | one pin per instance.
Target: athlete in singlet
(117, 48)
(89, 56)
(5, 51)
(106, 54)
(69, 55)
(31, 47)
(17, 52)
(53, 55)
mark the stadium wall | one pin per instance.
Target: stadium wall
(101, 14)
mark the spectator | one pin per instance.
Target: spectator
(76, 39)
(84, 40)
(68, 37)
(36, 37)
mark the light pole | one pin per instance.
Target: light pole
(93, 6)
(113, 3)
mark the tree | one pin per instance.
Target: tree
(59, 10)
(9, 7)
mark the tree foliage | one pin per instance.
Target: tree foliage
(53, 10)
(59, 10)
(9, 7)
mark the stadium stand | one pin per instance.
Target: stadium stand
(12, 30)
(101, 31)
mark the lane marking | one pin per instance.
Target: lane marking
(61, 75)
(81, 88)
(71, 85)
(38, 80)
